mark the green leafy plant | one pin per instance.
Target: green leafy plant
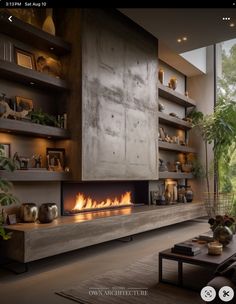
(218, 128)
(40, 117)
(6, 197)
(225, 220)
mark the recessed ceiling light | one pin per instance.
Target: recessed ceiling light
(51, 48)
(185, 38)
(179, 40)
(31, 82)
(231, 24)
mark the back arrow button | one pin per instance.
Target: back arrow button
(10, 19)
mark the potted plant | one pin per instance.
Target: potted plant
(218, 128)
(6, 197)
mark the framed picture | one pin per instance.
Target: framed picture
(12, 219)
(6, 149)
(55, 159)
(23, 103)
(24, 59)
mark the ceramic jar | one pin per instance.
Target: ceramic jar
(189, 194)
(28, 212)
(223, 234)
(215, 248)
(47, 212)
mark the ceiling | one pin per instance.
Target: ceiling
(202, 27)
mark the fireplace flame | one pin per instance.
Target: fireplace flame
(82, 202)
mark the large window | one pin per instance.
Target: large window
(226, 88)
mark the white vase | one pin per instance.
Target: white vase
(48, 25)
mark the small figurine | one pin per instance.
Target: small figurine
(16, 160)
(37, 161)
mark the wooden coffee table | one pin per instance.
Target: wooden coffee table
(202, 259)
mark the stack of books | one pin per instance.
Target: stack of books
(208, 237)
(186, 248)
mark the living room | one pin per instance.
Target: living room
(111, 123)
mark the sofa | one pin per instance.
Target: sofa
(225, 275)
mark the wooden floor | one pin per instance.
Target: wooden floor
(63, 271)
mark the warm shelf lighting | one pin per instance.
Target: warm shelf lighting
(185, 38)
(179, 40)
(232, 24)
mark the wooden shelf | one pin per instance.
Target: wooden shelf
(35, 175)
(28, 128)
(175, 175)
(31, 35)
(30, 77)
(173, 121)
(174, 96)
(174, 147)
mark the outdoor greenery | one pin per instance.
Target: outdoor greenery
(6, 197)
(218, 128)
(227, 84)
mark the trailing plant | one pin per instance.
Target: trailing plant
(6, 197)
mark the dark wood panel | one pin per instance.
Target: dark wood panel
(175, 175)
(30, 77)
(31, 35)
(35, 175)
(175, 147)
(28, 128)
(173, 121)
(176, 97)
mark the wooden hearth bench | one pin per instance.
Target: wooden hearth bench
(33, 241)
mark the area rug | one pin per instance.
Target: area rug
(138, 284)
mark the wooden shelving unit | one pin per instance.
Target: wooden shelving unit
(174, 147)
(175, 175)
(174, 96)
(173, 121)
(36, 82)
(30, 77)
(31, 35)
(28, 128)
(35, 175)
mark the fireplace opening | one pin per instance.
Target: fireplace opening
(95, 196)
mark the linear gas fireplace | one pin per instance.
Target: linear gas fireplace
(93, 196)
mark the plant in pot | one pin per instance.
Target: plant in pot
(218, 128)
(6, 197)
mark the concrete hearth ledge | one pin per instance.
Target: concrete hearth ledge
(33, 241)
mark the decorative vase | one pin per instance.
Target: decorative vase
(223, 234)
(161, 75)
(28, 212)
(47, 212)
(48, 25)
(173, 83)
